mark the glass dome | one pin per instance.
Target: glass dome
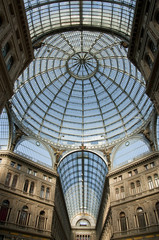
(81, 89)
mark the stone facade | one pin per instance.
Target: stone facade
(15, 44)
(33, 206)
(143, 46)
(134, 194)
(31, 199)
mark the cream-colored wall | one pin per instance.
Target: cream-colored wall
(14, 30)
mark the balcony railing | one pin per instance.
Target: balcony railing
(137, 231)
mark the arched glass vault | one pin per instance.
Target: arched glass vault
(82, 175)
(49, 16)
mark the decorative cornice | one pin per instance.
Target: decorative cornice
(134, 163)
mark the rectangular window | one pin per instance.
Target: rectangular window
(152, 164)
(115, 179)
(135, 171)
(120, 177)
(44, 177)
(12, 164)
(130, 173)
(19, 166)
(35, 173)
(49, 179)
(146, 167)
(29, 171)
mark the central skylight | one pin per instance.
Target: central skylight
(81, 89)
(82, 65)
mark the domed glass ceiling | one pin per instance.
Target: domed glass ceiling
(81, 89)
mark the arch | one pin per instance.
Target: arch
(14, 182)
(10, 63)
(82, 170)
(152, 46)
(117, 193)
(157, 209)
(8, 179)
(150, 182)
(98, 153)
(4, 211)
(31, 190)
(42, 191)
(4, 130)
(79, 16)
(83, 223)
(26, 185)
(156, 180)
(36, 151)
(141, 218)
(23, 219)
(138, 186)
(124, 152)
(5, 49)
(149, 60)
(88, 218)
(122, 190)
(47, 196)
(157, 16)
(1, 20)
(41, 221)
(123, 223)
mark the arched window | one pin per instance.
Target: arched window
(23, 219)
(138, 186)
(150, 182)
(149, 61)
(124, 153)
(41, 222)
(35, 150)
(122, 192)
(117, 193)
(10, 63)
(141, 218)
(1, 21)
(157, 17)
(83, 223)
(156, 178)
(4, 211)
(8, 178)
(5, 49)
(26, 184)
(4, 130)
(31, 190)
(157, 210)
(123, 221)
(42, 191)
(132, 186)
(152, 46)
(47, 193)
(14, 182)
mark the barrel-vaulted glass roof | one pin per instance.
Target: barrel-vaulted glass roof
(82, 176)
(81, 88)
(48, 16)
